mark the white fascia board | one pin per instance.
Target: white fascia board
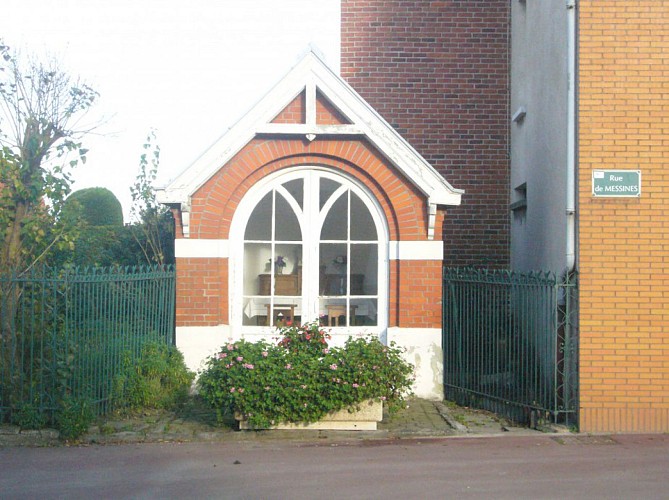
(386, 139)
(416, 250)
(309, 72)
(303, 129)
(241, 133)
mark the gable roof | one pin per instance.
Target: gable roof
(314, 78)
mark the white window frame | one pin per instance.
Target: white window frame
(310, 290)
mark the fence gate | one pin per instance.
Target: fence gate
(510, 343)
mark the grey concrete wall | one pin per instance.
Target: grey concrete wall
(539, 83)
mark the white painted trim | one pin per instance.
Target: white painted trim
(423, 349)
(311, 70)
(397, 250)
(238, 226)
(416, 250)
(202, 249)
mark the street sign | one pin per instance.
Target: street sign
(616, 183)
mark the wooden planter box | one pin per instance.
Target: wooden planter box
(364, 419)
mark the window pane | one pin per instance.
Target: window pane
(327, 187)
(296, 189)
(257, 257)
(264, 312)
(283, 312)
(362, 224)
(364, 312)
(333, 266)
(287, 228)
(335, 226)
(290, 255)
(259, 226)
(364, 269)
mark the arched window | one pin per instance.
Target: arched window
(309, 243)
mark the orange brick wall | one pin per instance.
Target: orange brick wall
(415, 286)
(624, 243)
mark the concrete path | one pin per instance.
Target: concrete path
(422, 419)
(539, 466)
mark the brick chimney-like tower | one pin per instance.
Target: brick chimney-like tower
(439, 73)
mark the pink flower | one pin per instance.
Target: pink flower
(232, 389)
(248, 366)
(241, 389)
(230, 347)
(333, 366)
(240, 358)
(326, 351)
(265, 354)
(222, 355)
(289, 366)
(355, 385)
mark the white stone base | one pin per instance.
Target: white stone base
(197, 343)
(423, 350)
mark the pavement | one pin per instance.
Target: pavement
(197, 423)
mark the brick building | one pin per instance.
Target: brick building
(624, 242)
(312, 206)
(519, 103)
(439, 73)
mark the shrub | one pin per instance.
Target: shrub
(29, 416)
(158, 379)
(73, 417)
(300, 379)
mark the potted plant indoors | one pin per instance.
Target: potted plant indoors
(301, 379)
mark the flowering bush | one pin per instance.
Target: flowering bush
(301, 378)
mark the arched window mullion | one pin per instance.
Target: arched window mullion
(334, 197)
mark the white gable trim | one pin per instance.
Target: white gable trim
(312, 75)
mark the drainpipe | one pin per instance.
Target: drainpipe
(571, 137)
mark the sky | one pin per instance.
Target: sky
(187, 68)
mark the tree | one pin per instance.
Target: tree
(153, 226)
(40, 108)
(97, 206)
(101, 237)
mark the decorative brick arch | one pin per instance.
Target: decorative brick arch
(215, 203)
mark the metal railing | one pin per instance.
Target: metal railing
(510, 343)
(68, 333)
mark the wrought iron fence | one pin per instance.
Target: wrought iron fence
(510, 343)
(69, 332)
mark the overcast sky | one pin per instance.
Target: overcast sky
(188, 68)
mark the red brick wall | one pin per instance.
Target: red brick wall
(214, 205)
(202, 295)
(438, 72)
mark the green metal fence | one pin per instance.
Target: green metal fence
(69, 332)
(510, 343)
